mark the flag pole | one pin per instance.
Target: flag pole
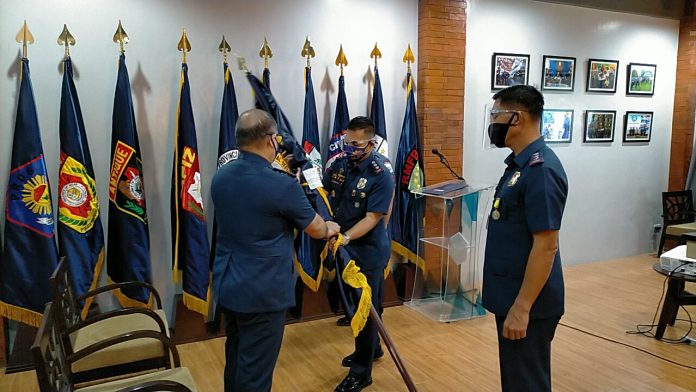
(184, 45)
(308, 52)
(408, 58)
(66, 39)
(376, 53)
(120, 37)
(224, 48)
(265, 53)
(341, 60)
(25, 38)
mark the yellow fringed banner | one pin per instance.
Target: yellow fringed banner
(356, 279)
(127, 302)
(95, 283)
(22, 315)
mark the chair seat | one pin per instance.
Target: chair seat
(126, 352)
(678, 230)
(180, 375)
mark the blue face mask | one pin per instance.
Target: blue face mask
(355, 153)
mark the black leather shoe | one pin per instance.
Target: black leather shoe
(343, 322)
(353, 384)
(348, 361)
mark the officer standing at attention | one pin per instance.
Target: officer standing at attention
(522, 276)
(257, 210)
(361, 192)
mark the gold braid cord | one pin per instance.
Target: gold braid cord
(356, 279)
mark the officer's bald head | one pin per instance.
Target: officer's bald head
(253, 126)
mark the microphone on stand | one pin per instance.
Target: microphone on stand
(445, 162)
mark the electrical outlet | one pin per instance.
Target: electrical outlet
(657, 227)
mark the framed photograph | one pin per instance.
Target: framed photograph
(558, 73)
(602, 76)
(509, 69)
(637, 127)
(640, 79)
(599, 126)
(557, 125)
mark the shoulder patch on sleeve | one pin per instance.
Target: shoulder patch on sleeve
(536, 159)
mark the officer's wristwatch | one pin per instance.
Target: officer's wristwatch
(346, 239)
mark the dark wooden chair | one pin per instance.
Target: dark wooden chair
(97, 330)
(53, 364)
(678, 216)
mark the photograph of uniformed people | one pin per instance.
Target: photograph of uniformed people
(361, 191)
(257, 209)
(522, 276)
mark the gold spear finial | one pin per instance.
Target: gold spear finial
(409, 58)
(375, 54)
(184, 45)
(265, 53)
(66, 39)
(120, 37)
(341, 59)
(308, 51)
(25, 38)
(224, 48)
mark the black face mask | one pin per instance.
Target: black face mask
(497, 132)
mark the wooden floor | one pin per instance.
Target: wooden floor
(605, 298)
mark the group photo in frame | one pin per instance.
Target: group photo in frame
(557, 125)
(509, 69)
(637, 126)
(602, 76)
(640, 79)
(599, 126)
(558, 73)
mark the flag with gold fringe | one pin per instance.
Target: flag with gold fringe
(128, 251)
(30, 254)
(190, 264)
(80, 232)
(407, 213)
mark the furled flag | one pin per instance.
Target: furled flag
(227, 141)
(80, 232)
(30, 254)
(308, 249)
(341, 120)
(377, 117)
(190, 262)
(407, 213)
(128, 253)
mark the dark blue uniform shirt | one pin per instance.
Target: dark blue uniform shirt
(257, 209)
(355, 190)
(530, 198)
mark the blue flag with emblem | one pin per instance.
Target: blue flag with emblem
(128, 253)
(378, 118)
(30, 254)
(341, 119)
(190, 264)
(308, 249)
(227, 140)
(80, 233)
(310, 267)
(407, 213)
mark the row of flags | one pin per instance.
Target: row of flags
(30, 253)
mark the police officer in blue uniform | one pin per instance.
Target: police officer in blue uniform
(361, 191)
(522, 276)
(257, 210)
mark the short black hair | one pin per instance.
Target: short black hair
(526, 96)
(252, 126)
(362, 123)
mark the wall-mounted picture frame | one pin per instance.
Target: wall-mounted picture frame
(640, 79)
(637, 127)
(557, 125)
(602, 76)
(558, 73)
(509, 69)
(599, 126)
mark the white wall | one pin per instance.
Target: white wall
(614, 196)
(154, 28)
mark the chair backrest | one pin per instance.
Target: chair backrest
(678, 207)
(67, 307)
(50, 364)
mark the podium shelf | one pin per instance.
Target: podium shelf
(444, 242)
(447, 309)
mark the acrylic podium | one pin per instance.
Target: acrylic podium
(447, 284)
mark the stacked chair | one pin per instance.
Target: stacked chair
(113, 345)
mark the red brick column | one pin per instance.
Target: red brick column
(441, 49)
(684, 102)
